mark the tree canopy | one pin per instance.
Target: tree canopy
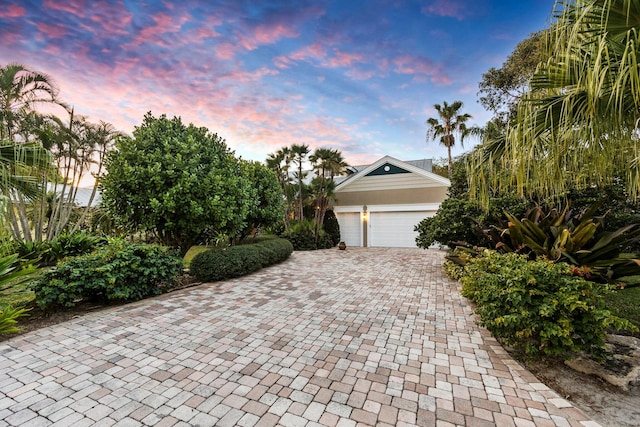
(179, 182)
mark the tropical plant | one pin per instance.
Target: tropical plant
(539, 307)
(327, 163)
(280, 163)
(574, 238)
(299, 153)
(579, 122)
(178, 182)
(12, 274)
(303, 237)
(448, 123)
(21, 89)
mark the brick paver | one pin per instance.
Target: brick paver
(339, 338)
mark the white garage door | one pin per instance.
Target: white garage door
(350, 228)
(394, 229)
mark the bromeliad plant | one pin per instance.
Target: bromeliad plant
(577, 239)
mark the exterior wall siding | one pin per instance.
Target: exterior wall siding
(390, 197)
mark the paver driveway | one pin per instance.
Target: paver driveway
(363, 336)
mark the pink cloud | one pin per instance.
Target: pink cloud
(420, 67)
(449, 8)
(50, 31)
(314, 51)
(266, 34)
(343, 59)
(164, 24)
(75, 7)
(12, 11)
(225, 50)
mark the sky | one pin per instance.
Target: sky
(360, 76)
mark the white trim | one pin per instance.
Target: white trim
(395, 162)
(346, 209)
(403, 208)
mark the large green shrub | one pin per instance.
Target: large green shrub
(539, 307)
(179, 182)
(235, 261)
(121, 271)
(46, 253)
(303, 236)
(454, 222)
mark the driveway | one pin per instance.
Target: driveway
(334, 338)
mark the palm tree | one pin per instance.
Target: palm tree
(327, 163)
(448, 123)
(579, 122)
(280, 163)
(20, 89)
(299, 153)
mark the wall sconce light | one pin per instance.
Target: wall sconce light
(365, 214)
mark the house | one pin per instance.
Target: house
(380, 204)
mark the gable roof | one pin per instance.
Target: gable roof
(415, 166)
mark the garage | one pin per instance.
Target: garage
(379, 205)
(394, 229)
(350, 228)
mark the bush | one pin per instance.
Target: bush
(121, 271)
(235, 261)
(302, 235)
(539, 307)
(454, 222)
(331, 226)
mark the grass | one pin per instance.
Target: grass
(625, 303)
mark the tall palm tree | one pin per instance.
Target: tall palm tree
(280, 163)
(327, 163)
(299, 154)
(448, 123)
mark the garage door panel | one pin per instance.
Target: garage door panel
(394, 229)
(350, 228)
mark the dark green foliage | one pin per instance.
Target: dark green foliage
(461, 221)
(331, 226)
(454, 222)
(539, 307)
(50, 252)
(303, 237)
(235, 261)
(269, 204)
(570, 237)
(178, 182)
(74, 244)
(121, 271)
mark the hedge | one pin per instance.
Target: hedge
(235, 261)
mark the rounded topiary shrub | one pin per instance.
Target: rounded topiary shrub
(235, 261)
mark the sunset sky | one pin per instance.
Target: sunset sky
(357, 75)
